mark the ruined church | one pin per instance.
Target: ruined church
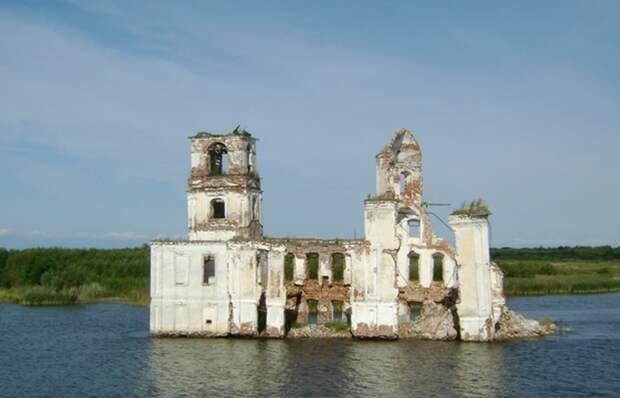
(228, 279)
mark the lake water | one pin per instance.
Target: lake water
(104, 350)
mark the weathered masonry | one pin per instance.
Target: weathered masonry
(228, 279)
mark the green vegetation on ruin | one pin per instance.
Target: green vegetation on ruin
(337, 326)
(475, 208)
(67, 276)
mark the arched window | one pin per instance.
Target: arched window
(404, 179)
(337, 308)
(337, 267)
(208, 270)
(313, 306)
(218, 159)
(312, 266)
(289, 267)
(414, 259)
(438, 267)
(414, 228)
(254, 208)
(218, 208)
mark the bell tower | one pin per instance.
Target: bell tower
(224, 198)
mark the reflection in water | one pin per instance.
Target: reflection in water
(323, 367)
(104, 350)
(479, 369)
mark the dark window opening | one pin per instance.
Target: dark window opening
(218, 159)
(415, 308)
(338, 267)
(325, 281)
(209, 321)
(254, 208)
(313, 306)
(262, 313)
(414, 228)
(414, 259)
(437, 267)
(218, 208)
(208, 270)
(312, 266)
(289, 267)
(338, 307)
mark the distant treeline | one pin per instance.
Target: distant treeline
(598, 253)
(58, 275)
(61, 275)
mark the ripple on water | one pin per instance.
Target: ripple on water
(105, 350)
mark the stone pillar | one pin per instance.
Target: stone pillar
(324, 311)
(325, 269)
(299, 274)
(275, 295)
(404, 313)
(475, 304)
(347, 270)
(450, 277)
(425, 268)
(402, 265)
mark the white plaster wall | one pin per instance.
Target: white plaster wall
(237, 206)
(347, 268)
(180, 302)
(475, 305)
(299, 274)
(276, 293)
(425, 267)
(380, 223)
(374, 315)
(325, 267)
(450, 275)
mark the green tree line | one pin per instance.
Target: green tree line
(61, 275)
(597, 253)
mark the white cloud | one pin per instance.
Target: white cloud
(4, 231)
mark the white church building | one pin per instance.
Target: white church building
(228, 279)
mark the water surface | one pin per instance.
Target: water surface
(103, 350)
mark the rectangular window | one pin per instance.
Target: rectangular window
(289, 267)
(338, 310)
(338, 266)
(218, 209)
(208, 270)
(312, 266)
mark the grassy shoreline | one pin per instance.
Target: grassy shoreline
(45, 296)
(58, 276)
(533, 277)
(40, 296)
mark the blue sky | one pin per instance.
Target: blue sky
(514, 102)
